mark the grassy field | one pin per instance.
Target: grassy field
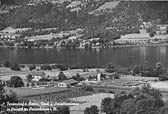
(37, 91)
(62, 96)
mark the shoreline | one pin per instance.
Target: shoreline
(96, 47)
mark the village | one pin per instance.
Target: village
(75, 39)
(73, 86)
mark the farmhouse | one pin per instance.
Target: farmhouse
(38, 75)
(67, 83)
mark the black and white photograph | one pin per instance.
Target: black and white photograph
(83, 57)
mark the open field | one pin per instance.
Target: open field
(37, 91)
(162, 85)
(62, 96)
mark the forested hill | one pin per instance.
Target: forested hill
(124, 18)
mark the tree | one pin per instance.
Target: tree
(16, 81)
(108, 106)
(7, 64)
(29, 77)
(15, 67)
(136, 70)
(78, 77)
(158, 69)
(32, 67)
(61, 76)
(32, 84)
(92, 110)
(116, 75)
(128, 107)
(164, 109)
(27, 85)
(5, 97)
(152, 34)
(63, 110)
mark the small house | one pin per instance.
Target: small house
(38, 75)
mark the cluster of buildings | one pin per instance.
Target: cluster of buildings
(143, 37)
(10, 33)
(37, 77)
(62, 39)
(162, 29)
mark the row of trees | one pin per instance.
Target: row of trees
(148, 71)
(138, 101)
(14, 66)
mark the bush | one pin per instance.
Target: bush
(61, 76)
(78, 77)
(112, 92)
(16, 81)
(7, 64)
(116, 76)
(15, 67)
(32, 67)
(46, 67)
(27, 85)
(63, 110)
(38, 83)
(152, 34)
(92, 110)
(32, 84)
(88, 88)
(29, 77)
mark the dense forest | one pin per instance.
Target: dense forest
(14, 2)
(125, 18)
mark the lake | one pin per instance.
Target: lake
(123, 57)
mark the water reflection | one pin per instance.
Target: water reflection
(143, 59)
(126, 57)
(163, 56)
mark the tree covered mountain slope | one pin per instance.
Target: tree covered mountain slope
(124, 18)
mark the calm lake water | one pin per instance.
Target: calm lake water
(124, 57)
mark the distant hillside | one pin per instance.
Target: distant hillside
(107, 6)
(14, 2)
(124, 17)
